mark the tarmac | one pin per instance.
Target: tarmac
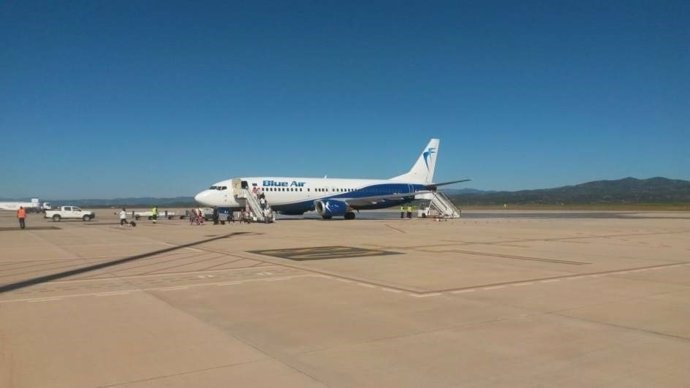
(519, 299)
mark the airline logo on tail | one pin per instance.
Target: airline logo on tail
(427, 154)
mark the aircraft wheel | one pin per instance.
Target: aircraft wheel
(327, 217)
(350, 216)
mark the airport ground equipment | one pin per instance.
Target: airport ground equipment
(444, 205)
(241, 192)
(440, 206)
(161, 214)
(35, 206)
(70, 213)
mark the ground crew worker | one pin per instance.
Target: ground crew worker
(154, 214)
(409, 212)
(402, 211)
(21, 215)
(123, 217)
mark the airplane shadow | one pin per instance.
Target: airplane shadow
(77, 271)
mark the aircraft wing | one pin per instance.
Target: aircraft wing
(375, 199)
(433, 186)
(379, 199)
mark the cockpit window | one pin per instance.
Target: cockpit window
(212, 187)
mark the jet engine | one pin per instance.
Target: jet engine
(327, 208)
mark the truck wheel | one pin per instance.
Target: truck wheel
(56, 218)
(86, 217)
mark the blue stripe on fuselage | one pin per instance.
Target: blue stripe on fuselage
(369, 191)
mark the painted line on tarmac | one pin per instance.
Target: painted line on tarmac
(156, 289)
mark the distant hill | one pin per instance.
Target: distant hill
(621, 191)
(463, 191)
(129, 202)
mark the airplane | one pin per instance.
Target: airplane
(330, 197)
(34, 205)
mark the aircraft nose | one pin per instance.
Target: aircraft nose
(201, 197)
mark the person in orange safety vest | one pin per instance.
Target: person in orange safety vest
(21, 215)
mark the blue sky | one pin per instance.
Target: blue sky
(107, 99)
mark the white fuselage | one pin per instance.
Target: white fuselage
(296, 195)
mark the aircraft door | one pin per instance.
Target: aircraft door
(237, 187)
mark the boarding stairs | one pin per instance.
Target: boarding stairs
(254, 206)
(443, 206)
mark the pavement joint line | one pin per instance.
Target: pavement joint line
(124, 292)
(176, 288)
(580, 276)
(426, 295)
(463, 291)
(311, 273)
(507, 256)
(49, 299)
(114, 293)
(148, 275)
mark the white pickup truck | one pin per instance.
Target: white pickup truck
(70, 212)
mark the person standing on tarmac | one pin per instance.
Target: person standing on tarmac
(154, 214)
(123, 217)
(402, 211)
(21, 215)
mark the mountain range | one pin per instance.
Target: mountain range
(621, 191)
